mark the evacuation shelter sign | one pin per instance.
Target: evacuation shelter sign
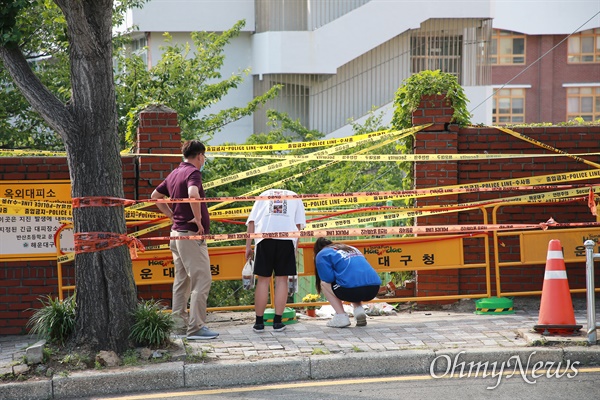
(30, 215)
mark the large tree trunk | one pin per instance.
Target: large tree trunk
(105, 289)
(105, 286)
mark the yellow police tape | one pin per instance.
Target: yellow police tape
(397, 230)
(288, 163)
(280, 182)
(295, 145)
(232, 149)
(37, 208)
(326, 155)
(545, 146)
(301, 174)
(394, 157)
(414, 212)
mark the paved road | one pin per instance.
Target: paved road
(543, 385)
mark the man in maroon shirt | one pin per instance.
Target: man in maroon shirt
(192, 265)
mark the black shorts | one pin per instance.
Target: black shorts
(355, 294)
(274, 255)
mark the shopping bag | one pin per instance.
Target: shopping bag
(248, 274)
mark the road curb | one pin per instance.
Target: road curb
(177, 375)
(235, 373)
(356, 365)
(132, 379)
(30, 390)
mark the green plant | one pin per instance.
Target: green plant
(318, 351)
(399, 277)
(152, 324)
(47, 353)
(409, 95)
(130, 357)
(311, 298)
(77, 361)
(197, 357)
(55, 321)
(357, 349)
(165, 357)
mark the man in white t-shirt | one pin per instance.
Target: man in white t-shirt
(274, 255)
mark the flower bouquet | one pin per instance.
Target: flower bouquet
(310, 298)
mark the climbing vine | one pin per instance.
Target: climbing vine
(409, 95)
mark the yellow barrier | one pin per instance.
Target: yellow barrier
(386, 255)
(533, 247)
(390, 255)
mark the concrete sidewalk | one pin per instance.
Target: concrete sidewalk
(404, 343)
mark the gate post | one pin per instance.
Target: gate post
(436, 139)
(158, 133)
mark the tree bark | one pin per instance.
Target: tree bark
(105, 288)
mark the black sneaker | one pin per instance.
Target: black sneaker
(258, 328)
(278, 327)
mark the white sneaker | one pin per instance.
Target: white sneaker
(339, 321)
(360, 316)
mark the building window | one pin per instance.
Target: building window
(507, 48)
(584, 47)
(139, 48)
(509, 107)
(583, 102)
(437, 52)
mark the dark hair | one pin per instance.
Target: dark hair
(192, 148)
(320, 244)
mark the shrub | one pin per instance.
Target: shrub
(55, 321)
(152, 325)
(408, 96)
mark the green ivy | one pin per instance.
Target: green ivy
(424, 83)
(577, 121)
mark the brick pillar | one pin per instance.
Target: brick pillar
(158, 133)
(436, 139)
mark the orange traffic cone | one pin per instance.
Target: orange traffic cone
(556, 308)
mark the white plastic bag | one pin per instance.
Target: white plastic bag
(292, 284)
(248, 274)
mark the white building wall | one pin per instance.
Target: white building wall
(479, 97)
(331, 49)
(192, 15)
(324, 50)
(546, 17)
(238, 56)
(368, 81)
(480, 103)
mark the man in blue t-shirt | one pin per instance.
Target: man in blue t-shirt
(192, 264)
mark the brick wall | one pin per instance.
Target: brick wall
(436, 139)
(22, 283)
(545, 98)
(442, 138)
